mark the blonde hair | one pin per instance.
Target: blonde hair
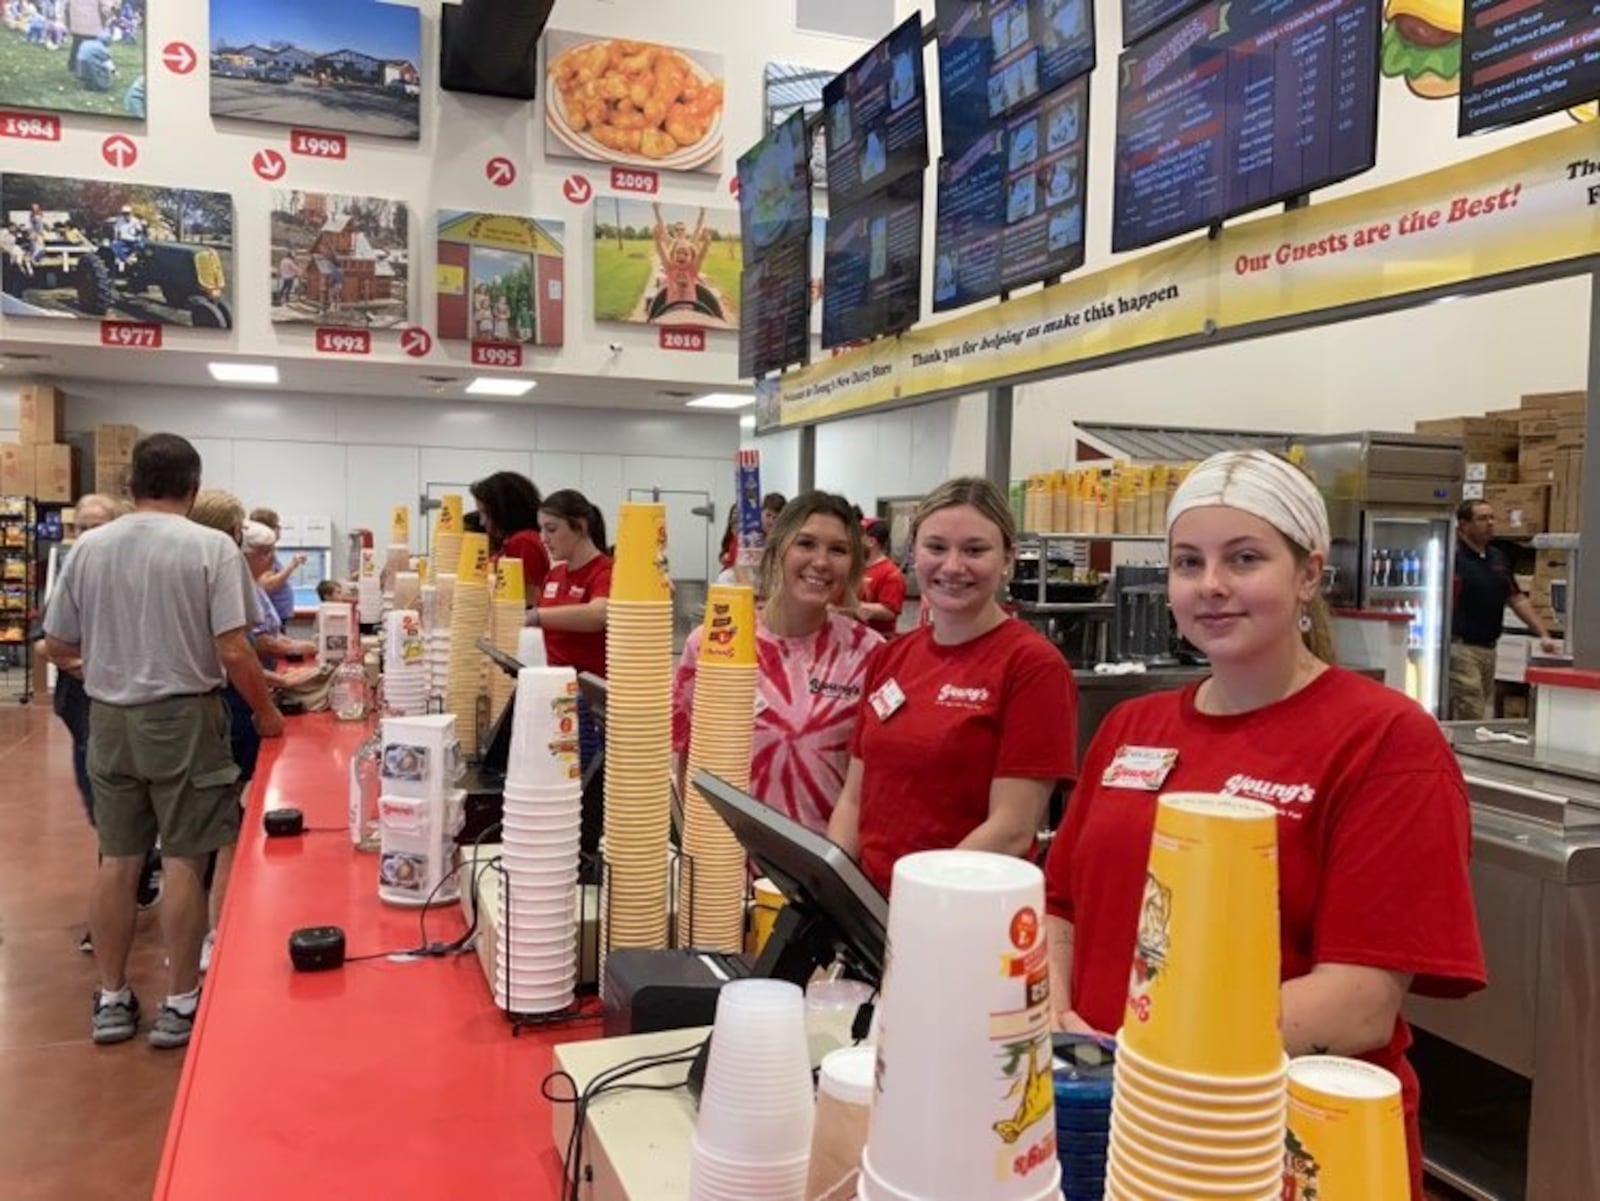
(1319, 638)
(218, 509)
(977, 493)
(786, 528)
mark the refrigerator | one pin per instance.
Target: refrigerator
(1391, 504)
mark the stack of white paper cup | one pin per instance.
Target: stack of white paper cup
(541, 827)
(407, 590)
(752, 1139)
(369, 589)
(530, 647)
(405, 668)
(966, 1102)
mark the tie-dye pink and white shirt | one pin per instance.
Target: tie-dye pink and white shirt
(806, 704)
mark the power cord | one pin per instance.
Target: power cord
(438, 950)
(608, 1082)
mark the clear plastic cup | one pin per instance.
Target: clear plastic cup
(757, 1098)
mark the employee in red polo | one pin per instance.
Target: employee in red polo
(571, 606)
(883, 584)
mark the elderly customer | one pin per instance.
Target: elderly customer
(259, 543)
(275, 579)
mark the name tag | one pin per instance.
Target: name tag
(1141, 768)
(886, 701)
(550, 590)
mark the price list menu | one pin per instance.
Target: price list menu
(875, 119)
(774, 317)
(1525, 58)
(873, 266)
(1140, 17)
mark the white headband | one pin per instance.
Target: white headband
(1261, 484)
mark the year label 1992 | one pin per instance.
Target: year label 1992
(344, 341)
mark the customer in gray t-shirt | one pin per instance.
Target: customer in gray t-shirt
(155, 606)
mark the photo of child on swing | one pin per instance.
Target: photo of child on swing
(664, 264)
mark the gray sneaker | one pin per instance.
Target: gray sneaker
(115, 1021)
(171, 1028)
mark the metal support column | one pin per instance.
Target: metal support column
(806, 477)
(997, 434)
(1583, 578)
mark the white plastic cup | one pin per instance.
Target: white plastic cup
(966, 1103)
(757, 1103)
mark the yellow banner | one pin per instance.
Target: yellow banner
(1529, 205)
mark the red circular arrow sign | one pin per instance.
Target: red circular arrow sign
(416, 341)
(577, 189)
(179, 57)
(119, 151)
(502, 172)
(269, 164)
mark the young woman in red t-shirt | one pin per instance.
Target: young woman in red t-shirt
(508, 506)
(1373, 827)
(571, 607)
(967, 723)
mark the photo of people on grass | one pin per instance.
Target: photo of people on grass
(73, 56)
(499, 278)
(93, 249)
(666, 264)
(340, 261)
(353, 66)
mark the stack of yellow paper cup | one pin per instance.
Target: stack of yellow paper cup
(505, 624)
(638, 732)
(369, 589)
(1347, 1132)
(1198, 1106)
(469, 621)
(447, 530)
(438, 608)
(711, 891)
(400, 526)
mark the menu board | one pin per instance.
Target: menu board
(997, 54)
(1010, 210)
(775, 319)
(872, 267)
(1140, 17)
(1523, 60)
(1241, 105)
(876, 120)
(775, 188)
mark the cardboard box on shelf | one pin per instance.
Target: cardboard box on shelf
(111, 479)
(39, 413)
(1467, 427)
(114, 443)
(1566, 492)
(1556, 401)
(55, 472)
(1537, 423)
(16, 469)
(1519, 509)
(1495, 448)
(1536, 461)
(1492, 473)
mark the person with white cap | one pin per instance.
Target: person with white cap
(1374, 831)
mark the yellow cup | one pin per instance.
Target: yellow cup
(1203, 996)
(1347, 1132)
(639, 571)
(449, 514)
(508, 580)
(729, 636)
(473, 566)
(764, 912)
(424, 570)
(400, 524)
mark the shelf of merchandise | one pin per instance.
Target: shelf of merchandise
(17, 576)
(1041, 535)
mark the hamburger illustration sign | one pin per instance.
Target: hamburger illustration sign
(1422, 45)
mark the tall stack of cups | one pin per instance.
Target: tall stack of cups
(711, 889)
(469, 620)
(1347, 1133)
(405, 668)
(400, 526)
(438, 607)
(845, 1081)
(507, 611)
(965, 1105)
(752, 1138)
(369, 589)
(638, 732)
(537, 962)
(408, 590)
(1198, 1107)
(445, 552)
(397, 559)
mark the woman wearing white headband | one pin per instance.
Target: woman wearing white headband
(1373, 829)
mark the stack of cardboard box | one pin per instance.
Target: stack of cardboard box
(40, 464)
(113, 459)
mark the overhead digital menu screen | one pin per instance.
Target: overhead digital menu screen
(775, 309)
(1524, 58)
(1241, 105)
(997, 54)
(876, 117)
(1140, 17)
(775, 189)
(872, 266)
(1010, 210)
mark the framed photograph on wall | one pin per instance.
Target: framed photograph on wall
(666, 264)
(500, 278)
(354, 66)
(633, 104)
(340, 261)
(74, 56)
(96, 249)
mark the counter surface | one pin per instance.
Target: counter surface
(381, 1079)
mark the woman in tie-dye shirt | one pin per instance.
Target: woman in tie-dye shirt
(812, 660)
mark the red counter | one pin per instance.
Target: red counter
(400, 1081)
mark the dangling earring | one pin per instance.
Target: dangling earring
(1305, 621)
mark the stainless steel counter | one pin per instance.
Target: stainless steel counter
(1099, 694)
(1511, 1080)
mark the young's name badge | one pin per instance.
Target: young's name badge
(887, 700)
(1144, 768)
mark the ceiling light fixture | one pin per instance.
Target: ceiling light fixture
(488, 386)
(722, 400)
(747, 422)
(243, 373)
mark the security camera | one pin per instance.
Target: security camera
(614, 347)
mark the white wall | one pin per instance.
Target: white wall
(355, 458)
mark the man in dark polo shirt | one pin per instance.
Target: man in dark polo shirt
(1484, 586)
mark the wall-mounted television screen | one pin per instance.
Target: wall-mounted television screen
(872, 266)
(876, 115)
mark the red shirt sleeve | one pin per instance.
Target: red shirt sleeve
(1397, 893)
(1038, 717)
(683, 693)
(600, 581)
(1059, 897)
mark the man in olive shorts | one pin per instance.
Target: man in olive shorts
(157, 609)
